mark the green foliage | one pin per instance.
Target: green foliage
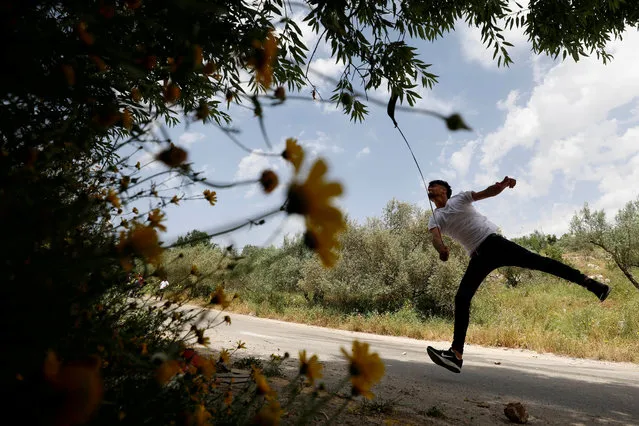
(195, 271)
(540, 243)
(515, 275)
(384, 264)
(619, 239)
(194, 238)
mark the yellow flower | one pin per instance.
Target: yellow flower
(241, 345)
(202, 111)
(172, 156)
(229, 97)
(210, 196)
(84, 35)
(194, 270)
(323, 220)
(167, 370)
(124, 182)
(136, 95)
(209, 68)
(365, 369)
(127, 119)
(263, 387)
(112, 197)
(269, 181)
(224, 356)
(228, 397)
(172, 92)
(201, 416)
(133, 4)
(324, 243)
(312, 198)
(78, 387)
(98, 62)
(51, 365)
(173, 66)
(145, 350)
(150, 62)
(206, 367)
(175, 200)
(141, 240)
(218, 297)
(311, 368)
(69, 74)
(293, 153)
(280, 93)
(262, 60)
(135, 210)
(197, 55)
(269, 415)
(155, 217)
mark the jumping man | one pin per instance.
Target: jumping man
(457, 218)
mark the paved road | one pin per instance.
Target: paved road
(557, 390)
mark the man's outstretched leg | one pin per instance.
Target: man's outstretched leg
(451, 359)
(516, 255)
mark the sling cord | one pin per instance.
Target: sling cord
(391, 113)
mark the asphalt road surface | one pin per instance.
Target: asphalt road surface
(556, 390)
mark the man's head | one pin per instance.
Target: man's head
(437, 186)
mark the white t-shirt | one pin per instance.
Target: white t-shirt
(459, 220)
(164, 284)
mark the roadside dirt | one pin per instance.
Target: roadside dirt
(399, 403)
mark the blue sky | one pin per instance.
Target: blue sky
(568, 132)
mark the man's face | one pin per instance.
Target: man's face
(436, 190)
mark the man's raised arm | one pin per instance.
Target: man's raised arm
(495, 189)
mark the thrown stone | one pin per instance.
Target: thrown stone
(516, 412)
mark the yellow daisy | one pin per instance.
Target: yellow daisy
(311, 368)
(366, 369)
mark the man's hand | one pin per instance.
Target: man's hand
(506, 183)
(443, 254)
(495, 189)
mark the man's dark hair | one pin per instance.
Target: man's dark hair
(443, 183)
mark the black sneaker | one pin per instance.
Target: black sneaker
(446, 359)
(604, 293)
(600, 290)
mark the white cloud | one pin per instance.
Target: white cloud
(327, 67)
(189, 138)
(364, 151)
(321, 144)
(565, 124)
(251, 167)
(460, 160)
(553, 219)
(576, 128)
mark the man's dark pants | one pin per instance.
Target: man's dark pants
(494, 252)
